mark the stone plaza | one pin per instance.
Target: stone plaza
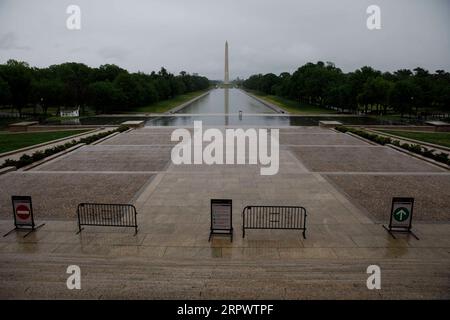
(345, 183)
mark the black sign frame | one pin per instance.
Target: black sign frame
(221, 231)
(23, 226)
(399, 228)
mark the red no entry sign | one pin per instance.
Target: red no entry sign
(23, 212)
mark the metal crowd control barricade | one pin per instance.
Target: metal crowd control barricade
(274, 217)
(108, 215)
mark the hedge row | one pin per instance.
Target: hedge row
(415, 148)
(39, 155)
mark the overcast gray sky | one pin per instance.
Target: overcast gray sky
(264, 36)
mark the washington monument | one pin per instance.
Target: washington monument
(226, 80)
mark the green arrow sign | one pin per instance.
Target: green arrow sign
(401, 214)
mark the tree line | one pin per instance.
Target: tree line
(365, 90)
(107, 88)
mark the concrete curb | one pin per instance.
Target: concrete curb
(47, 159)
(112, 135)
(40, 128)
(185, 104)
(391, 126)
(7, 169)
(267, 104)
(106, 138)
(362, 139)
(418, 156)
(12, 152)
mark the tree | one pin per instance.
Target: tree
(5, 92)
(104, 96)
(376, 92)
(326, 85)
(18, 76)
(47, 93)
(106, 72)
(131, 89)
(402, 96)
(268, 82)
(440, 90)
(76, 77)
(339, 95)
(75, 84)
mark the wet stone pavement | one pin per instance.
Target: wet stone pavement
(344, 183)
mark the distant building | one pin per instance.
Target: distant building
(69, 112)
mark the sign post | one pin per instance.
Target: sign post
(221, 217)
(23, 215)
(401, 216)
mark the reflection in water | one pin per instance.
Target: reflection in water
(228, 100)
(219, 120)
(259, 120)
(226, 94)
(235, 119)
(222, 107)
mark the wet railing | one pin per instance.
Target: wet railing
(274, 217)
(108, 215)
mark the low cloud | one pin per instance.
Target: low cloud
(8, 41)
(113, 53)
(264, 35)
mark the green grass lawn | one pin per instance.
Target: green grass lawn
(439, 138)
(12, 141)
(166, 105)
(292, 106)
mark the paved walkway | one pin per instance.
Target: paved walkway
(171, 257)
